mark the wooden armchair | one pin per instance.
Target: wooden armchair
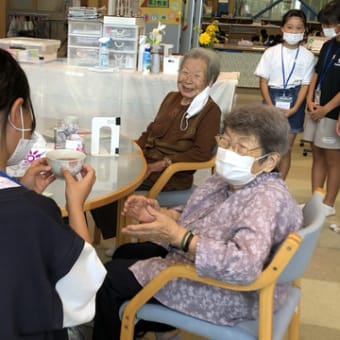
(173, 198)
(287, 266)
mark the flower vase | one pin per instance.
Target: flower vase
(155, 59)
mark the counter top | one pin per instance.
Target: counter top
(236, 47)
(254, 48)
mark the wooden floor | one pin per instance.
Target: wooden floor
(320, 319)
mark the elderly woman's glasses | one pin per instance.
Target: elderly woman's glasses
(197, 76)
(226, 143)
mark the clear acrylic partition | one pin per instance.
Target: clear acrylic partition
(59, 90)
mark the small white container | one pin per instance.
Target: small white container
(171, 64)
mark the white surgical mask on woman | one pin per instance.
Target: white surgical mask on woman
(329, 32)
(292, 38)
(234, 168)
(24, 145)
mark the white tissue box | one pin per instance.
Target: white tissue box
(171, 64)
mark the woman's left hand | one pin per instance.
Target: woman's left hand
(136, 207)
(38, 176)
(154, 167)
(161, 229)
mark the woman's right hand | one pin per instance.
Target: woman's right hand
(38, 176)
(77, 190)
(311, 106)
(136, 207)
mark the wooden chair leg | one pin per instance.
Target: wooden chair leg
(93, 228)
(97, 236)
(294, 326)
(122, 221)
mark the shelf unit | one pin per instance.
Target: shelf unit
(83, 44)
(123, 46)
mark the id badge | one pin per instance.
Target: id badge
(283, 102)
(317, 96)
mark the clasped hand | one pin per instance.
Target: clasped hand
(155, 226)
(316, 111)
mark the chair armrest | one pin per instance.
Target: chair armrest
(176, 167)
(266, 279)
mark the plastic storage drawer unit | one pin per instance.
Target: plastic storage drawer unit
(83, 42)
(124, 33)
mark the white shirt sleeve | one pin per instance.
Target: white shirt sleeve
(310, 62)
(77, 289)
(263, 67)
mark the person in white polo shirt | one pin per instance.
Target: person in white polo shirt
(285, 71)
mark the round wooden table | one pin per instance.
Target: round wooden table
(117, 177)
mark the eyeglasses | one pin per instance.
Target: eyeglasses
(226, 143)
(192, 76)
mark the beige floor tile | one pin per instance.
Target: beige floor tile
(309, 332)
(320, 303)
(325, 266)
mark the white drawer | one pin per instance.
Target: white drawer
(120, 32)
(122, 45)
(83, 56)
(80, 40)
(122, 60)
(85, 28)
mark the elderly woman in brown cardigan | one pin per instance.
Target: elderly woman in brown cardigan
(184, 128)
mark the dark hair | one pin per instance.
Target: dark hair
(294, 13)
(13, 85)
(267, 123)
(330, 13)
(209, 57)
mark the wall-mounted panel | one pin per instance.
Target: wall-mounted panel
(50, 5)
(21, 5)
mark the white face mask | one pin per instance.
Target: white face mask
(23, 146)
(234, 168)
(329, 32)
(292, 38)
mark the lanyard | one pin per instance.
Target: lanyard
(3, 174)
(326, 66)
(285, 83)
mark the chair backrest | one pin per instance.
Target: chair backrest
(176, 167)
(314, 217)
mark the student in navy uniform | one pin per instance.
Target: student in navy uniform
(49, 271)
(323, 101)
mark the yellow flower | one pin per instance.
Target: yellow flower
(205, 39)
(211, 28)
(208, 38)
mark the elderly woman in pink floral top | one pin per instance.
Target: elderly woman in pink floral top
(228, 229)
